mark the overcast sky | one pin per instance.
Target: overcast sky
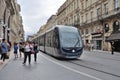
(35, 13)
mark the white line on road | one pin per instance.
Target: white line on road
(82, 73)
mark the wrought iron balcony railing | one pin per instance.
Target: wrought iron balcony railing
(113, 12)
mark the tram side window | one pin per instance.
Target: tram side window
(52, 44)
(42, 41)
(51, 41)
(55, 39)
(48, 40)
(38, 41)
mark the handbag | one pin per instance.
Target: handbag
(32, 52)
(6, 56)
(36, 51)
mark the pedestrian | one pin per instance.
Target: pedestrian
(15, 50)
(36, 51)
(92, 46)
(0, 49)
(4, 49)
(27, 52)
(89, 46)
(112, 47)
(9, 48)
(21, 48)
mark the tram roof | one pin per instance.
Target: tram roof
(57, 26)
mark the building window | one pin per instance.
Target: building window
(99, 13)
(106, 28)
(86, 16)
(106, 9)
(86, 31)
(82, 5)
(78, 19)
(86, 3)
(116, 26)
(91, 2)
(92, 31)
(82, 19)
(91, 16)
(74, 4)
(116, 4)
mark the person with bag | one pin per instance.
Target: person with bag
(0, 49)
(36, 51)
(32, 48)
(21, 48)
(112, 47)
(27, 53)
(4, 50)
(9, 48)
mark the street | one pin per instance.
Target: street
(92, 65)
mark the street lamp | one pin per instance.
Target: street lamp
(100, 18)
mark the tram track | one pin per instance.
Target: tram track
(92, 68)
(75, 62)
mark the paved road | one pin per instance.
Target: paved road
(90, 66)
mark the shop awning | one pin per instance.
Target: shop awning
(114, 36)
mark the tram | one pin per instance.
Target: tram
(61, 41)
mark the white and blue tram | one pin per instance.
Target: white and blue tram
(61, 41)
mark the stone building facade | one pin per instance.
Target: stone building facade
(11, 27)
(51, 22)
(96, 19)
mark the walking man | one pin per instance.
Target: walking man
(4, 49)
(112, 47)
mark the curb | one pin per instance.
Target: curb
(3, 64)
(105, 51)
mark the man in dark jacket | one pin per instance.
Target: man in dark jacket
(4, 49)
(112, 47)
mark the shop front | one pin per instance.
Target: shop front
(115, 36)
(97, 40)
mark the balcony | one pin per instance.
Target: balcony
(101, 17)
(77, 23)
(112, 13)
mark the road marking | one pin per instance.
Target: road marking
(82, 73)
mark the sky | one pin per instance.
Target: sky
(35, 13)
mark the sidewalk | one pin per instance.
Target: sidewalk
(3, 64)
(106, 52)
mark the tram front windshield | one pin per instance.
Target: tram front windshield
(70, 37)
